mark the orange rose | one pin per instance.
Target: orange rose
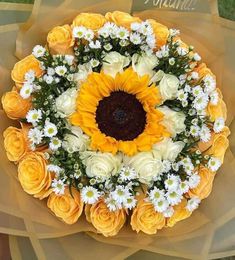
(15, 143)
(144, 218)
(60, 40)
(219, 110)
(66, 207)
(14, 105)
(180, 213)
(105, 221)
(23, 66)
(33, 175)
(89, 20)
(161, 32)
(202, 70)
(122, 19)
(205, 186)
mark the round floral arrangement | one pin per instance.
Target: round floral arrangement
(119, 117)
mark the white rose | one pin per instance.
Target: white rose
(114, 62)
(77, 141)
(147, 165)
(168, 149)
(144, 64)
(173, 121)
(66, 102)
(101, 165)
(168, 86)
(82, 74)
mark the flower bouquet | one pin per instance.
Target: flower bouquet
(120, 119)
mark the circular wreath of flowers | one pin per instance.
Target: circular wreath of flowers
(118, 117)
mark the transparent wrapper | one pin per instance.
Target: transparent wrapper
(36, 233)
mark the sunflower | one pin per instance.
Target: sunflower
(119, 114)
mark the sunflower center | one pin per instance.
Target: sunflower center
(121, 115)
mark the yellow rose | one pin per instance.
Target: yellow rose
(105, 221)
(60, 40)
(144, 218)
(205, 186)
(89, 20)
(33, 175)
(122, 19)
(219, 110)
(14, 105)
(161, 32)
(23, 66)
(66, 207)
(202, 70)
(15, 143)
(220, 144)
(180, 213)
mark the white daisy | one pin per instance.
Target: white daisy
(127, 173)
(108, 46)
(168, 212)
(95, 44)
(214, 97)
(104, 32)
(171, 61)
(54, 168)
(205, 134)
(173, 197)
(194, 130)
(60, 70)
(194, 75)
(130, 202)
(214, 164)
(163, 52)
(197, 90)
(183, 187)
(174, 32)
(90, 194)
(156, 194)
(120, 194)
(151, 41)
(182, 79)
(172, 182)
(112, 204)
(146, 28)
(193, 203)
(48, 79)
(35, 136)
(122, 33)
(55, 143)
(200, 102)
(79, 32)
(135, 38)
(181, 95)
(29, 76)
(58, 186)
(94, 63)
(218, 124)
(166, 166)
(196, 57)
(187, 88)
(209, 83)
(50, 71)
(26, 90)
(135, 26)
(182, 51)
(38, 51)
(161, 205)
(89, 35)
(194, 180)
(69, 59)
(33, 116)
(50, 129)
